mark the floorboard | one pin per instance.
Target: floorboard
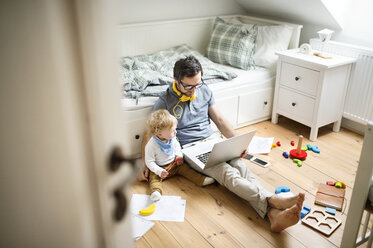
(215, 217)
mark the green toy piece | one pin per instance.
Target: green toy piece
(298, 161)
(304, 148)
(338, 184)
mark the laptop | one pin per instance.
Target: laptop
(212, 152)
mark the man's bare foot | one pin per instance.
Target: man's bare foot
(282, 219)
(280, 202)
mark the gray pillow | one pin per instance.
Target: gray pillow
(233, 44)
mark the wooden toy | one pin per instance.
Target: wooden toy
(285, 154)
(278, 143)
(316, 149)
(299, 163)
(273, 146)
(330, 183)
(322, 222)
(330, 196)
(281, 189)
(304, 212)
(338, 185)
(298, 153)
(304, 148)
(309, 147)
(292, 143)
(306, 208)
(331, 211)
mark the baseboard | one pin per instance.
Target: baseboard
(353, 126)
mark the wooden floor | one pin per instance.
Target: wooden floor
(215, 217)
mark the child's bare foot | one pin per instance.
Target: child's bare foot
(282, 219)
(285, 202)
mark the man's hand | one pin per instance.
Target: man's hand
(179, 160)
(164, 174)
(244, 153)
(143, 174)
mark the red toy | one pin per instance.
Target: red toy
(292, 143)
(298, 153)
(278, 143)
(169, 168)
(175, 162)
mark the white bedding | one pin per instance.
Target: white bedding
(257, 76)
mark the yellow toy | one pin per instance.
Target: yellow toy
(147, 211)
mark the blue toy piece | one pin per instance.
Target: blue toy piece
(331, 211)
(316, 149)
(309, 147)
(306, 208)
(304, 211)
(282, 189)
(285, 154)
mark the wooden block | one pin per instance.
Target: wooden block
(322, 222)
(330, 196)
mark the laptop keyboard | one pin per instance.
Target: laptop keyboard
(203, 157)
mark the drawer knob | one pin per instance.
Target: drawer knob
(293, 104)
(297, 78)
(265, 103)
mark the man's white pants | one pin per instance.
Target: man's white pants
(237, 178)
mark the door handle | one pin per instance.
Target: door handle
(120, 205)
(117, 159)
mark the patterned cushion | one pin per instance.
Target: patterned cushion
(233, 44)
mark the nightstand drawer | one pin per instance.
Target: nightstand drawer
(299, 78)
(296, 104)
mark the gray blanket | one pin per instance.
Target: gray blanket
(149, 75)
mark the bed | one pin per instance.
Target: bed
(243, 93)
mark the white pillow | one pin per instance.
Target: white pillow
(269, 40)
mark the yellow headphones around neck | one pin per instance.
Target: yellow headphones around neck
(183, 98)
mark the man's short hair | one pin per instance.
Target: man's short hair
(188, 67)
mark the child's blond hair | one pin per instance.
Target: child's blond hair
(159, 120)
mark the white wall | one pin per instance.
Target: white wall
(350, 19)
(157, 10)
(357, 24)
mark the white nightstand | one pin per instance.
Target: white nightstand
(310, 89)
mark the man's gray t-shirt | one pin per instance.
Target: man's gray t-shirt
(193, 119)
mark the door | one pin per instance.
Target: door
(60, 122)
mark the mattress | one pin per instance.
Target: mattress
(258, 76)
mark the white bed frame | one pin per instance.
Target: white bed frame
(242, 106)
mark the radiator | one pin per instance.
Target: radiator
(359, 98)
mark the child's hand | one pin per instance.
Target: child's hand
(164, 174)
(180, 161)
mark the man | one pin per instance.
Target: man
(193, 104)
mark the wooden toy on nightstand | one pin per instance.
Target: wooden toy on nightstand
(311, 89)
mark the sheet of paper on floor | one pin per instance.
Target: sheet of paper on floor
(168, 208)
(260, 145)
(140, 226)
